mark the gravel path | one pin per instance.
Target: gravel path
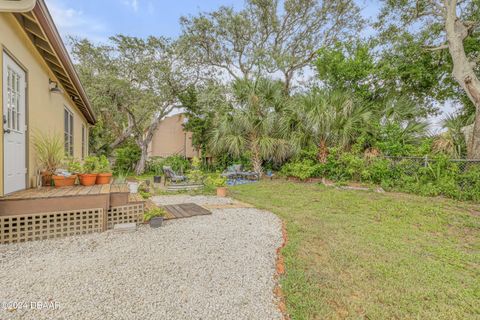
(210, 267)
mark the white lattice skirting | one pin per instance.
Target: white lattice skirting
(132, 213)
(41, 226)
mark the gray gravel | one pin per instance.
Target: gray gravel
(210, 267)
(174, 199)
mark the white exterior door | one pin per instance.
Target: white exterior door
(14, 128)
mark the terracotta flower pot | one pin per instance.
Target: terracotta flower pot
(61, 181)
(103, 178)
(88, 179)
(222, 191)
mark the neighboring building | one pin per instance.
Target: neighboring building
(171, 139)
(40, 92)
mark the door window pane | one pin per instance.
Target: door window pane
(68, 133)
(13, 100)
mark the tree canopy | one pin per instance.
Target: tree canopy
(277, 76)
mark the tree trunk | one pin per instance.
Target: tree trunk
(141, 164)
(256, 160)
(121, 138)
(143, 141)
(257, 165)
(463, 71)
(473, 150)
(322, 152)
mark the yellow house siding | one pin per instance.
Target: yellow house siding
(45, 110)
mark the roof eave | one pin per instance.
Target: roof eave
(46, 23)
(17, 6)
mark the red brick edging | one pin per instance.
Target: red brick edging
(280, 270)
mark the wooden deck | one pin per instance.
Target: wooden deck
(48, 199)
(51, 192)
(44, 213)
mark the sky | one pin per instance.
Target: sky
(99, 19)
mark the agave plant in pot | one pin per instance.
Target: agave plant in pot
(49, 153)
(89, 171)
(104, 175)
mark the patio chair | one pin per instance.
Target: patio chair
(247, 175)
(230, 173)
(171, 176)
(235, 172)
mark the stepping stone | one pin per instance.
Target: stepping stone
(125, 227)
(185, 210)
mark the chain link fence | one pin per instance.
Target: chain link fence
(411, 164)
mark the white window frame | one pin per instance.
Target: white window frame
(68, 125)
(84, 141)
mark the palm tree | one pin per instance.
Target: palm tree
(327, 119)
(254, 125)
(452, 141)
(398, 120)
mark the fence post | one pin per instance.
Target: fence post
(425, 164)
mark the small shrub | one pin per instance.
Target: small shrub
(303, 169)
(440, 177)
(177, 163)
(74, 166)
(379, 172)
(144, 194)
(126, 158)
(90, 165)
(103, 165)
(196, 175)
(154, 212)
(469, 184)
(215, 180)
(351, 166)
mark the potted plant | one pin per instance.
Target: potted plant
(121, 177)
(89, 171)
(154, 217)
(67, 178)
(64, 179)
(133, 185)
(155, 165)
(219, 182)
(222, 187)
(74, 166)
(157, 178)
(104, 175)
(49, 153)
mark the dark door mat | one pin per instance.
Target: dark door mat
(185, 210)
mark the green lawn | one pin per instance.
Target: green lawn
(355, 254)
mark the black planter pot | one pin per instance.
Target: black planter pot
(157, 179)
(156, 222)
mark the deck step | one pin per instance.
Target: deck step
(125, 227)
